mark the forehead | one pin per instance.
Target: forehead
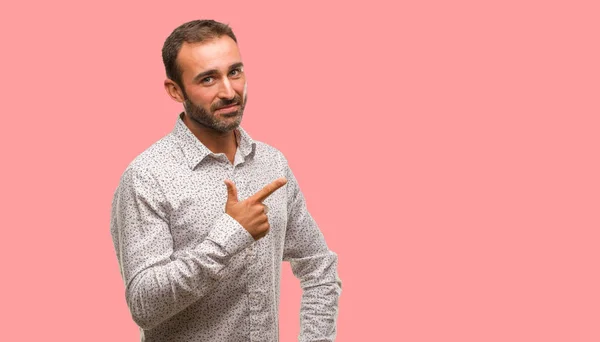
(218, 53)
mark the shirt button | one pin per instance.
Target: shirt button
(256, 335)
(256, 300)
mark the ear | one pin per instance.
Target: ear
(174, 90)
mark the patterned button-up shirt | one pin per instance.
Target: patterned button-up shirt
(192, 272)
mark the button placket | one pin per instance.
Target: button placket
(258, 315)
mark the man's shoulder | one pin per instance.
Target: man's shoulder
(155, 159)
(267, 151)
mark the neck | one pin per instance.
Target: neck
(215, 141)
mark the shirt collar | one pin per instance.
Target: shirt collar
(194, 151)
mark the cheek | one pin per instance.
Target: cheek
(241, 88)
(202, 98)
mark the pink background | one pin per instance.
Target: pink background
(449, 151)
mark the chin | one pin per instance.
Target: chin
(225, 128)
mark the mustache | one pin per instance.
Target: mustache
(237, 100)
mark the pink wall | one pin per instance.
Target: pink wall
(449, 151)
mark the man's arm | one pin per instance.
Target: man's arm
(315, 266)
(159, 284)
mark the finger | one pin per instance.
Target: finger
(262, 235)
(232, 197)
(265, 192)
(259, 218)
(259, 236)
(264, 231)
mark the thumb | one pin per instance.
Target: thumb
(232, 197)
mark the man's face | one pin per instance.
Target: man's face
(214, 83)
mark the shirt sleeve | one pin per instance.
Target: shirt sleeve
(314, 265)
(158, 283)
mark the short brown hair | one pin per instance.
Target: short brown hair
(195, 31)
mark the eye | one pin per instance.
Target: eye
(207, 80)
(235, 72)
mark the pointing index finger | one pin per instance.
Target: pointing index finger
(270, 188)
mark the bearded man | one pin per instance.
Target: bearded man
(202, 220)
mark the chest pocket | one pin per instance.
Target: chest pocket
(195, 209)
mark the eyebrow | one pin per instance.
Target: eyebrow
(215, 71)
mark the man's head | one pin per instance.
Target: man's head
(205, 73)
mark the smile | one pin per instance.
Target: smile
(228, 109)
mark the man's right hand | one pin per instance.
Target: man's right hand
(250, 213)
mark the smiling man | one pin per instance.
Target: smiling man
(202, 219)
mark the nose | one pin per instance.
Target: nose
(226, 89)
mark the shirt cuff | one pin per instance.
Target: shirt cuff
(230, 235)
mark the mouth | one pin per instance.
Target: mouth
(228, 109)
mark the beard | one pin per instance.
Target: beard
(223, 123)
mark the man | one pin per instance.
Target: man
(203, 218)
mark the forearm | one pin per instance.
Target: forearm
(321, 289)
(162, 290)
